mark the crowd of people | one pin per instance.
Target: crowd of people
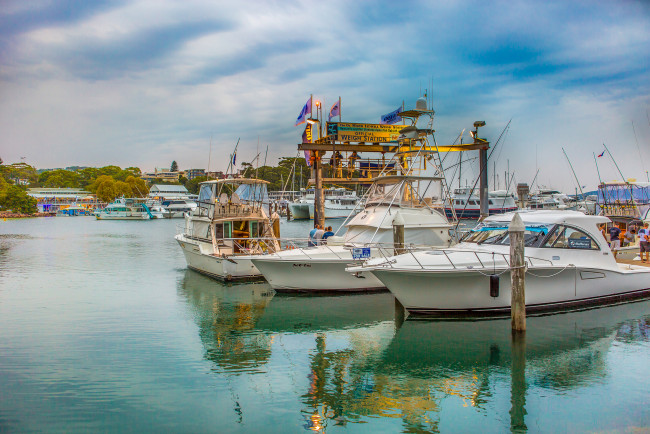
(319, 235)
(618, 239)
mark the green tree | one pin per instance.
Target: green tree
(16, 199)
(59, 179)
(106, 190)
(138, 186)
(174, 166)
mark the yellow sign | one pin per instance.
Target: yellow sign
(370, 133)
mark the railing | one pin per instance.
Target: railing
(477, 266)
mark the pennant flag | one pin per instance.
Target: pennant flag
(306, 138)
(602, 153)
(392, 117)
(335, 110)
(234, 158)
(306, 110)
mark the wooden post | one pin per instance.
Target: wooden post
(398, 234)
(288, 212)
(517, 274)
(319, 199)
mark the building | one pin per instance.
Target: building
(163, 175)
(52, 199)
(166, 192)
(190, 174)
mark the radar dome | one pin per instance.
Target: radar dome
(421, 103)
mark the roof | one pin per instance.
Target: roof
(552, 217)
(169, 188)
(236, 181)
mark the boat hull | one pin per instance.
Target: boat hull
(122, 217)
(301, 274)
(235, 268)
(463, 293)
(474, 213)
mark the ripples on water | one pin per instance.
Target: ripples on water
(104, 329)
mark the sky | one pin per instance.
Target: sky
(143, 83)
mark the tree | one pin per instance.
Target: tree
(174, 167)
(17, 200)
(59, 179)
(138, 186)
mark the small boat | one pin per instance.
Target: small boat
(369, 235)
(339, 203)
(125, 209)
(177, 208)
(228, 228)
(467, 205)
(569, 265)
(73, 210)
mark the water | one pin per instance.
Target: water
(102, 328)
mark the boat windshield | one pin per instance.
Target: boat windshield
(405, 192)
(497, 234)
(205, 193)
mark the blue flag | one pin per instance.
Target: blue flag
(392, 117)
(306, 110)
(234, 158)
(601, 154)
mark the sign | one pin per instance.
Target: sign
(579, 243)
(361, 253)
(371, 133)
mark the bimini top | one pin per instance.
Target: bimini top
(551, 217)
(236, 181)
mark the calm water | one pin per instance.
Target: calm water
(103, 329)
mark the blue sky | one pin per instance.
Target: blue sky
(147, 82)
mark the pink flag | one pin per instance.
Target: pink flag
(306, 110)
(335, 110)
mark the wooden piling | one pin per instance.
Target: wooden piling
(319, 198)
(517, 274)
(398, 234)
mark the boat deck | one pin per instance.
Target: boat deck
(631, 262)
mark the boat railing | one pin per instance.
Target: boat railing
(479, 265)
(226, 210)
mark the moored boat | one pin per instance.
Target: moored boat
(125, 209)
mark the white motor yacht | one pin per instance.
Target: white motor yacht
(569, 265)
(125, 209)
(177, 208)
(369, 235)
(467, 204)
(339, 203)
(228, 228)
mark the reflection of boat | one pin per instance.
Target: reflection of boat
(322, 268)
(125, 209)
(225, 316)
(228, 228)
(339, 203)
(569, 265)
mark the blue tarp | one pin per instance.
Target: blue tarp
(253, 193)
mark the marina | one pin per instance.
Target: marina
(85, 348)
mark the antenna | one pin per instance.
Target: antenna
(209, 156)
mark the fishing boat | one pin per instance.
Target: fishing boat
(339, 203)
(550, 199)
(125, 209)
(369, 235)
(228, 228)
(467, 205)
(569, 265)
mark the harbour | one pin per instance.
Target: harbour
(92, 342)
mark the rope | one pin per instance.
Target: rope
(525, 267)
(555, 274)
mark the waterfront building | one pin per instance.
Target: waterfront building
(54, 199)
(164, 175)
(190, 174)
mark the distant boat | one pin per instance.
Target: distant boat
(125, 209)
(177, 208)
(468, 205)
(73, 211)
(339, 202)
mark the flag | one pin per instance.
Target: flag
(601, 154)
(335, 110)
(302, 117)
(306, 138)
(234, 158)
(392, 117)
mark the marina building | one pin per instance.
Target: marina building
(53, 199)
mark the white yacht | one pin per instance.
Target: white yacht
(228, 228)
(369, 235)
(467, 204)
(125, 209)
(177, 208)
(550, 199)
(569, 265)
(339, 203)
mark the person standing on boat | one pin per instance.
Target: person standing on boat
(644, 243)
(614, 237)
(328, 233)
(352, 159)
(318, 236)
(312, 236)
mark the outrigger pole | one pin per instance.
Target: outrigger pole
(574, 174)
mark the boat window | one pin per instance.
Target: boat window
(490, 202)
(205, 193)
(254, 230)
(240, 229)
(218, 230)
(564, 237)
(534, 234)
(227, 229)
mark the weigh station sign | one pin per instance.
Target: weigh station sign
(369, 133)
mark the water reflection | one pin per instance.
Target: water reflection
(342, 360)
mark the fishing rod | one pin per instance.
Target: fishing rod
(230, 164)
(574, 174)
(600, 180)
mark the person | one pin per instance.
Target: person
(318, 236)
(614, 239)
(312, 234)
(644, 242)
(351, 163)
(630, 237)
(328, 233)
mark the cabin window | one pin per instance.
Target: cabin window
(254, 230)
(227, 229)
(240, 229)
(218, 231)
(534, 234)
(490, 202)
(564, 237)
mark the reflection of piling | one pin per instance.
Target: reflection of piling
(518, 384)
(517, 274)
(400, 314)
(398, 234)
